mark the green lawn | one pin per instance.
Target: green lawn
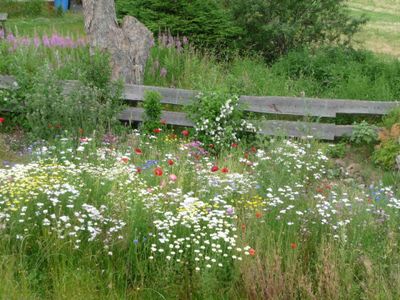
(69, 24)
(382, 32)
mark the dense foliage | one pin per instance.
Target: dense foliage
(269, 27)
(204, 21)
(40, 106)
(275, 27)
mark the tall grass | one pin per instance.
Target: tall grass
(326, 72)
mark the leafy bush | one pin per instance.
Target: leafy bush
(364, 133)
(152, 109)
(219, 120)
(275, 27)
(44, 110)
(205, 21)
(386, 153)
(337, 150)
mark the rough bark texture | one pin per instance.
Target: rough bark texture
(129, 45)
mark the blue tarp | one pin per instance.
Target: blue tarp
(64, 4)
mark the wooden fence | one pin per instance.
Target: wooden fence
(291, 106)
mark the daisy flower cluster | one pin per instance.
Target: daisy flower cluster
(219, 121)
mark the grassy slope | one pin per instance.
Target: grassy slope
(382, 32)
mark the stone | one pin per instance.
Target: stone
(128, 45)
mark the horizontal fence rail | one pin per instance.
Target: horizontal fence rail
(293, 106)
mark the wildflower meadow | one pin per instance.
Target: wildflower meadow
(158, 216)
(92, 207)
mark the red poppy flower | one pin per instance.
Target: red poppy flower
(224, 170)
(246, 155)
(170, 162)
(185, 132)
(2, 120)
(252, 252)
(234, 145)
(293, 245)
(158, 171)
(157, 130)
(138, 151)
(125, 159)
(138, 170)
(253, 149)
(214, 169)
(258, 215)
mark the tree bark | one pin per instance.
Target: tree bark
(128, 45)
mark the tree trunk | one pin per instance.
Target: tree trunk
(128, 45)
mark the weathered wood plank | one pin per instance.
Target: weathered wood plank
(298, 129)
(315, 107)
(136, 114)
(288, 106)
(6, 82)
(3, 17)
(169, 95)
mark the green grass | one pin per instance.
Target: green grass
(70, 24)
(382, 32)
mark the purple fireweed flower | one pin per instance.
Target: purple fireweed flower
(185, 40)
(46, 41)
(178, 45)
(152, 43)
(36, 42)
(171, 41)
(11, 38)
(163, 72)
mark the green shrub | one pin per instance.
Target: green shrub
(275, 27)
(45, 111)
(392, 118)
(152, 109)
(364, 134)
(386, 153)
(204, 21)
(337, 150)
